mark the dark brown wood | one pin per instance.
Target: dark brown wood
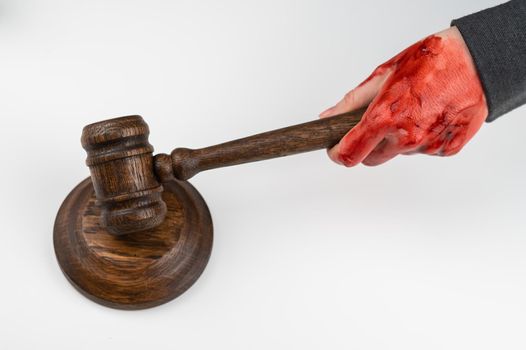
(126, 176)
(183, 163)
(121, 165)
(133, 271)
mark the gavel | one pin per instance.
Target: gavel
(136, 234)
(127, 178)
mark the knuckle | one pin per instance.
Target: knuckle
(410, 136)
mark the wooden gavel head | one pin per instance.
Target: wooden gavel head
(121, 163)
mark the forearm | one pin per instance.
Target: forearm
(496, 38)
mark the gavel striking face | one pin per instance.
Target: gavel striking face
(161, 226)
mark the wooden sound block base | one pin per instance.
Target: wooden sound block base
(139, 270)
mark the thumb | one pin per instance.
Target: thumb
(358, 97)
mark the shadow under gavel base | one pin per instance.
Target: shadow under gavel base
(140, 270)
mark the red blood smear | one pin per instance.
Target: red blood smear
(432, 103)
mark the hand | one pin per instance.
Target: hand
(427, 99)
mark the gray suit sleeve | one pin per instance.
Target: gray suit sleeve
(496, 38)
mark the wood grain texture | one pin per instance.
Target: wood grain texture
(183, 163)
(121, 165)
(135, 271)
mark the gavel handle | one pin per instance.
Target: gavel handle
(306, 137)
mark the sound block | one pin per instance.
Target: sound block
(138, 270)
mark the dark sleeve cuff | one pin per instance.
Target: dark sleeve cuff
(496, 38)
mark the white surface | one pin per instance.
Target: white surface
(422, 253)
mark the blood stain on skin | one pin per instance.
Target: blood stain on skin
(431, 101)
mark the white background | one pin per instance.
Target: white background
(421, 253)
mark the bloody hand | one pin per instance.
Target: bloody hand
(427, 99)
